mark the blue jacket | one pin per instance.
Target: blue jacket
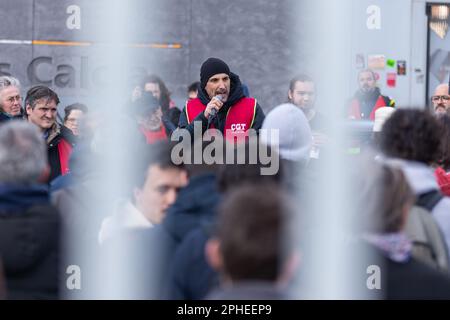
(187, 222)
(195, 206)
(191, 277)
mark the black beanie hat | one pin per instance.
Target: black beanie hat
(145, 104)
(211, 67)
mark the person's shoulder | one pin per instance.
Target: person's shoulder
(429, 282)
(4, 117)
(248, 290)
(247, 99)
(390, 102)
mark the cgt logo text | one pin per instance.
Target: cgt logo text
(238, 127)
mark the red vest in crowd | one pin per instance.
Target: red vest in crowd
(64, 152)
(239, 118)
(355, 110)
(443, 179)
(153, 136)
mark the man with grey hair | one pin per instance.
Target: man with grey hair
(10, 99)
(23, 156)
(29, 225)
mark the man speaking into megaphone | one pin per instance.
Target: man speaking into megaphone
(221, 103)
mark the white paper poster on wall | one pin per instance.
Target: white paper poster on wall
(376, 61)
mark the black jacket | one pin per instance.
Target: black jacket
(236, 93)
(191, 277)
(367, 101)
(6, 117)
(29, 242)
(409, 280)
(194, 208)
(186, 222)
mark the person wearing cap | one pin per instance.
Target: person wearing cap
(441, 99)
(368, 98)
(295, 136)
(170, 114)
(381, 116)
(294, 144)
(220, 89)
(148, 114)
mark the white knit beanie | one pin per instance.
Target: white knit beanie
(295, 137)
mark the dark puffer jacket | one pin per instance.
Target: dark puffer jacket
(29, 241)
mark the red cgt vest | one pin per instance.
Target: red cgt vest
(355, 110)
(154, 136)
(64, 152)
(239, 119)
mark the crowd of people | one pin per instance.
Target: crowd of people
(215, 230)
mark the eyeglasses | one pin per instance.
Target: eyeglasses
(437, 98)
(72, 120)
(16, 98)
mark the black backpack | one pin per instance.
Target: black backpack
(429, 200)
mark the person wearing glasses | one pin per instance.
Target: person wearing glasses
(72, 117)
(441, 99)
(10, 99)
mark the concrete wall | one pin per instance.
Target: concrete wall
(258, 39)
(265, 42)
